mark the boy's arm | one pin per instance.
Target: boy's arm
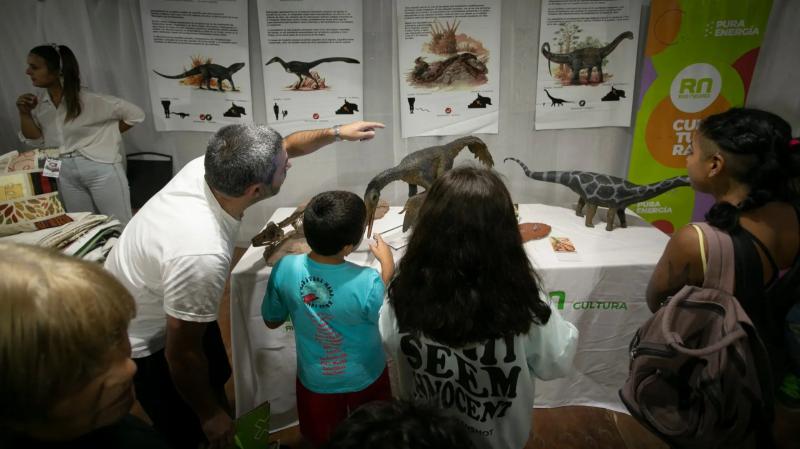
(273, 311)
(384, 255)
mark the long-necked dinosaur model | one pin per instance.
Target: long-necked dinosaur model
(594, 190)
(208, 72)
(301, 69)
(584, 58)
(421, 168)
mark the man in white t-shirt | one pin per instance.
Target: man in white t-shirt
(174, 257)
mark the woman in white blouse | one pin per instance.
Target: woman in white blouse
(85, 126)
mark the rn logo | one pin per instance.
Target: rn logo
(695, 87)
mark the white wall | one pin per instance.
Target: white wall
(106, 36)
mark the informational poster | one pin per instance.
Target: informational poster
(313, 62)
(699, 61)
(449, 63)
(197, 63)
(587, 63)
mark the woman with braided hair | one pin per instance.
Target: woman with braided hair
(748, 161)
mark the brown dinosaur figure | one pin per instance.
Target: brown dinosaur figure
(584, 58)
(422, 168)
(273, 236)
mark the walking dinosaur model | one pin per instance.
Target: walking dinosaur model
(595, 189)
(584, 58)
(421, 168)
(556, 101)
(208, 72)
(301, 69)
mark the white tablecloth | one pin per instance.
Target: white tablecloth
(602, 292)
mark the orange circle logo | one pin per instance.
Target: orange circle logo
(669, 130)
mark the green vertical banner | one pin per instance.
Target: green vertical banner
(699, 61)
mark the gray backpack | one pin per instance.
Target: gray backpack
(699, 373)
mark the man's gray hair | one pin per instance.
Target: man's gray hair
(239, 156)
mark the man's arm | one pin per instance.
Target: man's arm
(188, 366)
(301, 143)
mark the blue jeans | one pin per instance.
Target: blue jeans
(90, 186)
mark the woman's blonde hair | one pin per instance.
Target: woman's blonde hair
(59, 318)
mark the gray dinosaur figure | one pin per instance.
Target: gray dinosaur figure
(584, 58)
(208, 72)
(595, 189)
(422, 168)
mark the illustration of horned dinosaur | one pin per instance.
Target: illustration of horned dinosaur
(461, 67)
(595, 189)
(584, 58)
(421, 168)
(208, 72)
(556, 101)
(301, 69)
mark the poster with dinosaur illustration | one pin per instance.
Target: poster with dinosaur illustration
(312, 59)
(699, 60)
(449, 64)
(587, 63)
(198, 63)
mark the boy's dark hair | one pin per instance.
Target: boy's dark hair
(465, 277)
(333, 220)
(399, 425)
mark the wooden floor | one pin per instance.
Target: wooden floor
(556, 428)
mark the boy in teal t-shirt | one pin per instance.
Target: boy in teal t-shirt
(334, 307)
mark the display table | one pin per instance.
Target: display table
(601, 290)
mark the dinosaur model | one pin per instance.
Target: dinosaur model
(613, 95)
(208, 72)
(584, 58)
(480, 102)
(556, 101)
(301, 69)
(273, 235)
(595, 189)
(421, 168)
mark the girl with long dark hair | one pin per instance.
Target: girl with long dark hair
(466, 323)
(85, 126)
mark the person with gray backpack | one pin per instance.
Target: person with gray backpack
(705, 367)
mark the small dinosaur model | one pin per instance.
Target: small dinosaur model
(556, 101)
(273, 235)
(301, 69)
(613, 95)
(422, 168)
(595, 189)
(584, 58)
(208, 72)
(480, 102)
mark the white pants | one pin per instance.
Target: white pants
(90, 186)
